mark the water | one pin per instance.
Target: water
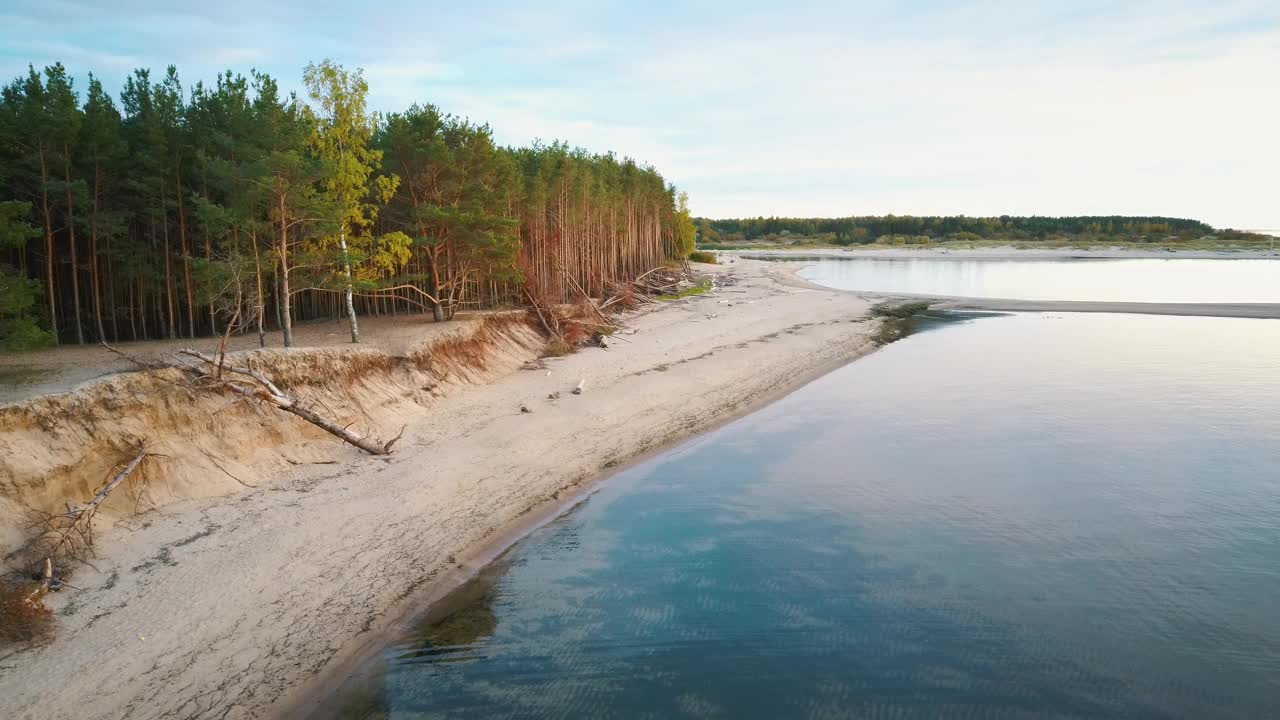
(1019, 516)
(1123, 280)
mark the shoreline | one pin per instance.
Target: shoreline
(311, 697)
(256, 603)
(789, 275)
(1008, 252)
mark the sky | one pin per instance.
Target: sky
(768, 108)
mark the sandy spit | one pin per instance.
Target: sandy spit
(243, 606)
(786, 274)
(1012, 253)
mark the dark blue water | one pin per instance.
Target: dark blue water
(1019, 516)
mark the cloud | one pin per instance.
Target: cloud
(813, 108)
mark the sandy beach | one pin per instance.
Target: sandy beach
(256, 601)
(250, 604)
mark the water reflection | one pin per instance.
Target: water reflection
(454, 637)
(1027, 515)
(1115, 280)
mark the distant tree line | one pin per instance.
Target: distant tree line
(908, 229)
(173, 212)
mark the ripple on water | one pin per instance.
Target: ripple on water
(1022, 516)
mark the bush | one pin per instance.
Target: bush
(895, 322)
(22, 334)
(18, 330)
(699, 289)
(905, 310)
(702, 256)
(557, 348)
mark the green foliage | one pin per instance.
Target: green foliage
(15, 230)
(900, 310)
(22, 333)
(895, 320)
(699, 289)
(891, 330)
(175, 209)
(454, 198)
(702, 256)
(342, 135)
(707, 235)
(685, 231)
(18, 295)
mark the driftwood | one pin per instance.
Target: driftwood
(626, 295)
(46, 579)
(655, 281)
(646, 274)
(586, 298)
(140, 362)
(537, 308)
(92, 506)
(260, 389)
(69, 535)
(256, 386)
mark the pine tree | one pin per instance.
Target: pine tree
(172, 213)
(101, 152)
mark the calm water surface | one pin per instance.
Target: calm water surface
(1018, 516)
(1125, 280)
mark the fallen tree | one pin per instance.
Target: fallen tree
(250, 384)
(69, 535)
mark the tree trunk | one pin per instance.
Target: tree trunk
(94, 282)
(111, 292)
(286, 322)
(186, 256)
(266, 391)
(48, 246)
(208, 256)
(168, 266)
(260, 298)
(133, 317)
(346, 269)
(433, 280)
(142, 288)
(71, 235)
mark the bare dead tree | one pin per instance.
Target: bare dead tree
(587, 299)
(542, 316)
(251, 384)
(69, 535)
(212, 372)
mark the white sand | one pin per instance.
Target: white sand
(245, 606)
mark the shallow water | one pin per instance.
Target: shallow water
(1107, 280)
(1018, 516)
